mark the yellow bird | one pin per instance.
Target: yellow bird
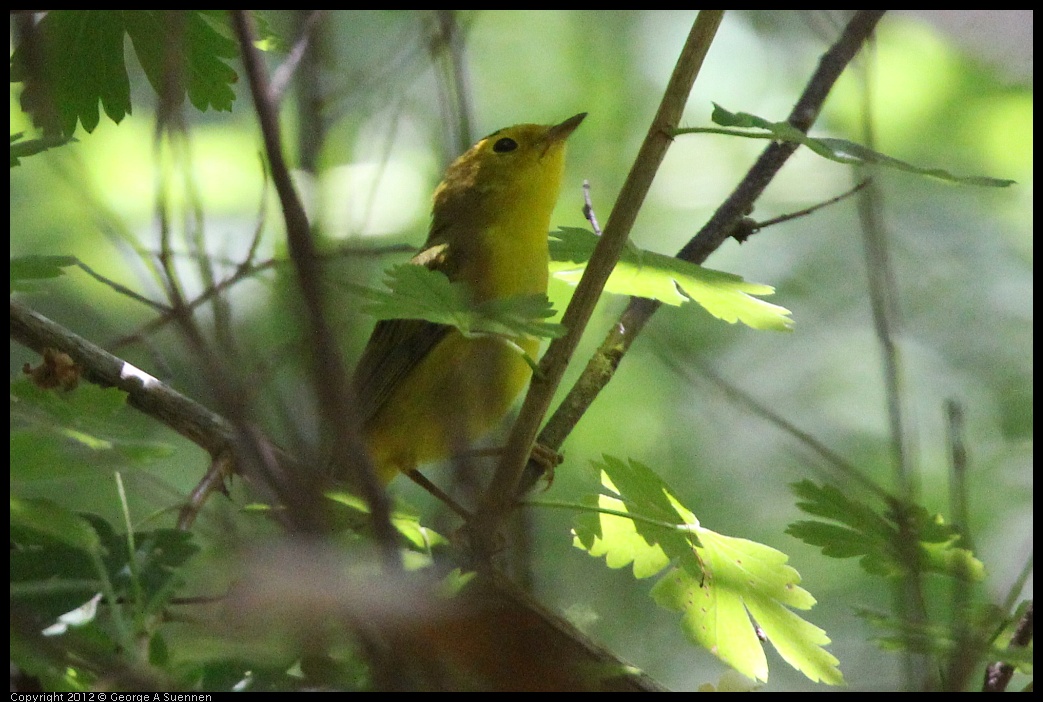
(426, 392)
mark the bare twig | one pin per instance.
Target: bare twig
(504, 484)
(814, 208)
(588, 209)
(603, 364)
(185, 416)
(331, 379)
(998, 675)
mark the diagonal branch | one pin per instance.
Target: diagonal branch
(331, 379)
(603, 364)
(504, 483)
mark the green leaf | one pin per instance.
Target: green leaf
(59, 559)
(78, 61)
(659, 529)
(204, 75)
(839, 150)
(56, 434)
(29, 147)
(54, 522)
(658, 277)
(39, 267)
(860, 531)
(718, 582)
(354, 516)
(418, 293)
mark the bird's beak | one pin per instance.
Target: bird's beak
(560, 132)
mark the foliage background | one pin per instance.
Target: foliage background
(962, 258)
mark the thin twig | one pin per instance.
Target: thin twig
(504, 484)
(814, 208)
(244, 271)
(715, 232)
(588, 209)
(998, 675)
(282, 75)
(331, 379)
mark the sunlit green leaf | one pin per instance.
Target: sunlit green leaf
(667, 279)
(718, 582)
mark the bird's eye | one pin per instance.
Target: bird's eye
(504, 145)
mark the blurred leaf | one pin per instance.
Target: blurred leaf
(39, 267)
(839, 150)
(21, 149)
(53, 571)
(718, 582)
(895, 634)
(203, 75)
(667, 279)
(354, 516)
(53, 433)
(875, 537)
(56, 523)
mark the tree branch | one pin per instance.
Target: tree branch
(603, 364)
(504, 483)
(333, 389)
(576, 657)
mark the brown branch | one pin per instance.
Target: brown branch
(504, 483)
(145, 393)
(998, 675)
(349, 459)
(603, 364)
(533, 628)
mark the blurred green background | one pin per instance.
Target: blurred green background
(951, 91)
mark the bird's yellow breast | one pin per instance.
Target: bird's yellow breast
(490, 219)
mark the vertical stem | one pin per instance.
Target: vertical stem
(503, 487)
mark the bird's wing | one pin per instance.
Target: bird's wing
(397, 346)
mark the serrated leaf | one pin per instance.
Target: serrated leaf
(747, 580)
(655, 276)
(860, 531)
(839, 150)
(414, 292)
(205, 77)
(717, 582)
(80, 62)
(618, 541)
